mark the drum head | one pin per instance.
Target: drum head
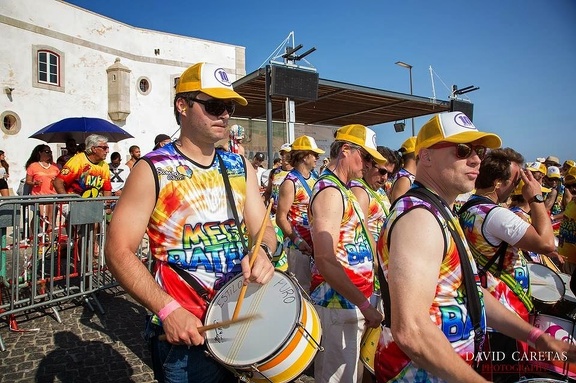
(253, 342)
(545, 284)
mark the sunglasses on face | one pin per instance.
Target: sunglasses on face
(216, 107)
(464, 151)
(103, 147)
(382, 172)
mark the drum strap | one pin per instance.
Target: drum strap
(192, 282)
(230, 197)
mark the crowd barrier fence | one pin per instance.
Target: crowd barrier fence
(51, 252)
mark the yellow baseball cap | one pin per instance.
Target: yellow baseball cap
(570, 179)
(518, 190)
(536, 167)
(306, 143)
(362, 136)
(408, 146)
(210, 79)
(453, 127)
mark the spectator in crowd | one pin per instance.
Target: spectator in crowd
(4, 174)
(118, 173)
(40, 174)
(161, 140)
(343, 269)
(538, 170)
(566, 166)
(69, 151)
(552, 161)
(432, 331)
(292, 211)
(405, 176)
(495, 236)
(555, 199)
(277, 177)
(177, 194)
(135, 153)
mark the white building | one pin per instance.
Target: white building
(54, 59)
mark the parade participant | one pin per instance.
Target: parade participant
(277, 176)
(433, 335)
(134, 151)
(86, 173)
(342, 273)
(236, 138)
(567, 231)
(178, 195)
(495, 236)
(292, 211)
(256, 162)
(405, 176)
(70, 150)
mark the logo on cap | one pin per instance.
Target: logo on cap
(462, 120)
(222, 77)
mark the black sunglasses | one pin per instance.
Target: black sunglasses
(216, 107)
(464, 151)
(381, 171)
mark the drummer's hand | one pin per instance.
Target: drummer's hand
(555, 254)
(563, 349)
(372, 316)
(181, 327)
(262, 269)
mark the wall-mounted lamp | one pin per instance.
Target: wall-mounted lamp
(8, 90)
(399, 127)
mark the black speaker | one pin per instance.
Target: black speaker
(294, 83)
(462, 106)
(399, 127)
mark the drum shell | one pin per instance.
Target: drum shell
(280, 345)
(561, 329)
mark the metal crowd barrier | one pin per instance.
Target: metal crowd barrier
(46, 260)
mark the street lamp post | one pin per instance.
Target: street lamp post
(404, 65)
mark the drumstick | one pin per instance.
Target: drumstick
(253, 258)
(224, 323)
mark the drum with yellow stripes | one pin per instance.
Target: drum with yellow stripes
(278, 346)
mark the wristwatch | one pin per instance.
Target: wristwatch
(266, 250)
(538, 198)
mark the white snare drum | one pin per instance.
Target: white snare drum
(561, 329)
(546, 285)
(368, 347)
(279, 346)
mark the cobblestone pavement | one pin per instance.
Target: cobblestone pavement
(86, 347)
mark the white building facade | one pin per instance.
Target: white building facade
(57, 61)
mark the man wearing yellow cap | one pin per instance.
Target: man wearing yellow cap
(342, 273)
(177, 194)
(292, 213)
(438, 311)
(567, 231)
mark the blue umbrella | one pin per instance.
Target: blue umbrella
(79, 128)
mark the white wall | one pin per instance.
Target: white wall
(90, 44)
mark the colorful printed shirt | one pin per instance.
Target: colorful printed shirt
(277, 177)
(377, 209)
(567, 239)
(85, 178)
(353, 250)
(192, 227)
(449, 306)
(511, 288)
(298, 212)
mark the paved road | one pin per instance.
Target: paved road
(86, 347)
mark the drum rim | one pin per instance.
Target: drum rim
(539, 265)
(271, 355)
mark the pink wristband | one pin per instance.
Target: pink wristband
(364, 305)
(167, 310)
(535, 333)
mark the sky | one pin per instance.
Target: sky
(520, 53)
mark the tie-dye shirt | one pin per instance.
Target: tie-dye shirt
(298, 212)
(449, 310)
(353, 250)
(192, 226)
(512, 287)
(377, 209)
(85, 178)
(277, 176)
